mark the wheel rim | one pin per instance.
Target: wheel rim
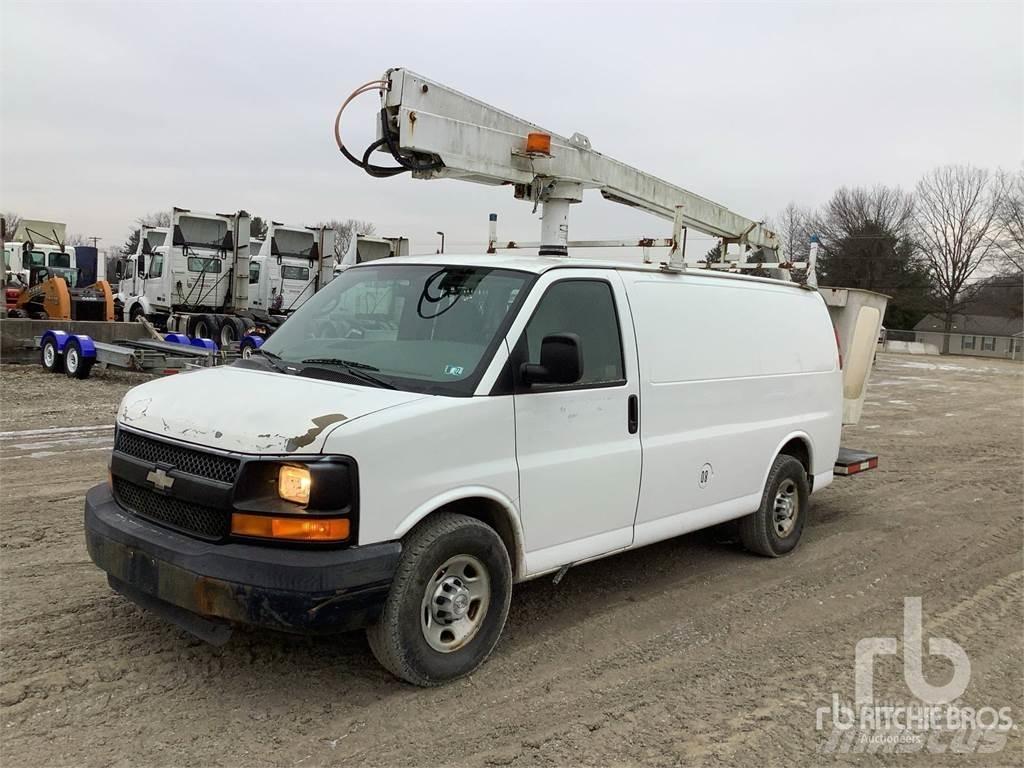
(72, 360)
(49, 355)
(786, 508)
(455, 603)
(247, 351)
(202, 332)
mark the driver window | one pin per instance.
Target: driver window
(156, 265)
(587, 309)
(129, 270)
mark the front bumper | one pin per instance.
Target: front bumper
(205, 587)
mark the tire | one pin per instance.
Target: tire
(231, 331)
(204, 327)
(246, 349)
(52, 360)
(136, 312)
(76, 365)
(775, 528)
(449, 564)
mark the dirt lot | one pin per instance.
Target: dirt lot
(686, 652)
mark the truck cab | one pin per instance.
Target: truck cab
(298, 263)
(23, 258)
(183, 267)
(131, 281)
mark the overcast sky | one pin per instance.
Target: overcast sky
(110, 111)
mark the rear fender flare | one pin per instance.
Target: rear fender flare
(59, 338)
(808, 443)
(86, 345)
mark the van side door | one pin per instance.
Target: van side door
(577, 445)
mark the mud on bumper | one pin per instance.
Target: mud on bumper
(206, 587)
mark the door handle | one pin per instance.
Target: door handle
(633, 414)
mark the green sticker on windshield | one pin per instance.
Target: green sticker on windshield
(453, 370)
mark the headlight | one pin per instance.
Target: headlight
(293, 484)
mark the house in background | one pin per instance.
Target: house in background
(979, 335)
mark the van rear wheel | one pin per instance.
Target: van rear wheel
(775, 528)
(448, 601)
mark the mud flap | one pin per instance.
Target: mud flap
(208, 630)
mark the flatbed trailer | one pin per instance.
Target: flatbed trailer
(76, 354)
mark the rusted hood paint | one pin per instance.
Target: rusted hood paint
(248, 411)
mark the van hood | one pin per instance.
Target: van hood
(249, 411)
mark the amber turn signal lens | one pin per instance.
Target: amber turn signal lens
(539, 143)
(291, 528)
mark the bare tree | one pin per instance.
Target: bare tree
(850, 211)
(157, 219)
(344, 231)
(955, 222)
(11, 222)
(793, 226)
(1009, 240)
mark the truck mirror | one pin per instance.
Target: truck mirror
(228, 243)
(119, 269)
(314, 252)
(146, 247)
(561, 361)
(141, 265)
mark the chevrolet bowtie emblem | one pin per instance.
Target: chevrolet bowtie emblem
(160, 479)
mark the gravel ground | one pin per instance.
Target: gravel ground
(686, 652)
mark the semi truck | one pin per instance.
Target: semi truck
(199, 277)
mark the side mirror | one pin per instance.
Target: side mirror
(119, 269)
(141, 266)
(146, 247)
(561, 361)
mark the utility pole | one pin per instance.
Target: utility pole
(101, 261)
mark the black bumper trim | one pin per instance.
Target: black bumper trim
(287, 589)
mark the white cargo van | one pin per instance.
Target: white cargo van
(456, 425)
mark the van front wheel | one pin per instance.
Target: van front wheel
(775, 528)
(448, 601)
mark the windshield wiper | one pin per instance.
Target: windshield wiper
(354, 369)
(274, 360)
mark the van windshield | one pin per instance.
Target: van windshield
(416, 327)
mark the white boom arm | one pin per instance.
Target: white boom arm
(442, 133)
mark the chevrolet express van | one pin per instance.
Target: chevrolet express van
(425, 432)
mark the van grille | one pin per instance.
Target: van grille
(194, 519)
(212, 466)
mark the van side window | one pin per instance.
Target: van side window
(587, 309)
(156, 265)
